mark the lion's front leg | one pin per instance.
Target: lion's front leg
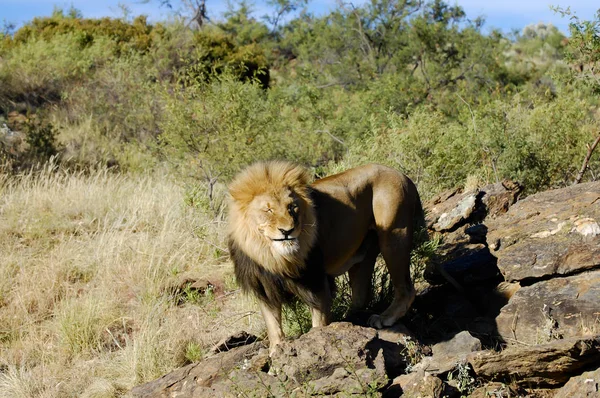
(272, 317)
(321, 309)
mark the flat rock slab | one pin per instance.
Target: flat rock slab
(202, 379)
(550, 233)
(556, 308)
(550, 364)
(586, 385)
(448, 354)
(454, 208)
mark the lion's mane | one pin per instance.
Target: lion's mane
(275, 278)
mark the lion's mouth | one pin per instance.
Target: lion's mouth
(289, 238)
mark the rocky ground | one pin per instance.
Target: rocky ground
(526, 321)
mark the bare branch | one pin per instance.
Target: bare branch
(586, 161)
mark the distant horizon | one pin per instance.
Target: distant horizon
(505, 15)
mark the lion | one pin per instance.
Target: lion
(288, 237)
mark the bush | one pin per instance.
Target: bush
(38, 71)
(535, 141)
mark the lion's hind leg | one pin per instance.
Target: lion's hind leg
(395, 248)
(361, 274)
(394, 226)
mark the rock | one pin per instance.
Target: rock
(454, 208)
(419, 384)
(472, 268)
(199, 285)
(463, 252)
(460, 344)
(550, 364)
(198, 379)
(235, 340)
(495, 390)
(459, 214)
(585, 385)
(340, 359)
(498, 198)
(400, 349)
(556, 308)
(549, 233)
(448, 354)
(318, 353)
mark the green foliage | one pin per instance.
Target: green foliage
(41, 140)
(217, 52)
(535, 141)
(213, 129)
(414, 85)
(583, 49)
(194, 352)
(36, 72)
(465, 382)
(137, 35)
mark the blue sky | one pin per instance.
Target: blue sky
(504, 14)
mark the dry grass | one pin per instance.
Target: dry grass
(86, 266)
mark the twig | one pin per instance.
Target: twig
(584, 166)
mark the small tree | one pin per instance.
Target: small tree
(583, 52)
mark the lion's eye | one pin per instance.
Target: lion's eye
(268, 210)
(293, 207)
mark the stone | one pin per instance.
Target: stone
(319, 352)
(549, 233)
(338, 360)
(454, 208)
(586, 385)
(419, 384)
(400, 349)
(197, 379)
(474, 267)
(448, 354)
(550, 364)
(556, 308)
(495, 390)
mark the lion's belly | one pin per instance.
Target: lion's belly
(337, 269)
(340, 262)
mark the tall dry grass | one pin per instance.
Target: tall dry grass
(88, 263)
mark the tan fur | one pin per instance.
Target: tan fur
(362, 212)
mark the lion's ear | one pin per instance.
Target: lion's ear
(241, 190)
(297, 177)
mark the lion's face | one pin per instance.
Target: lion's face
(279, 218)
(271, 215)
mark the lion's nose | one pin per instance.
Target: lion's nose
(285, 232)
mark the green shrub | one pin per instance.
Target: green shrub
(535, 141)
(216, 52)
(137, 35)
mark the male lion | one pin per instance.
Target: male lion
(287, 237)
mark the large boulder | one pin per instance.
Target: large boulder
(550, 233)
(550, 364)
(556, 308)
(453, 208)
(340, 359)
(587, 385)
(458, 217)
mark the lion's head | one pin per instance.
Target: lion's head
(271, 215)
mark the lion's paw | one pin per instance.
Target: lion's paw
(375, 321)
